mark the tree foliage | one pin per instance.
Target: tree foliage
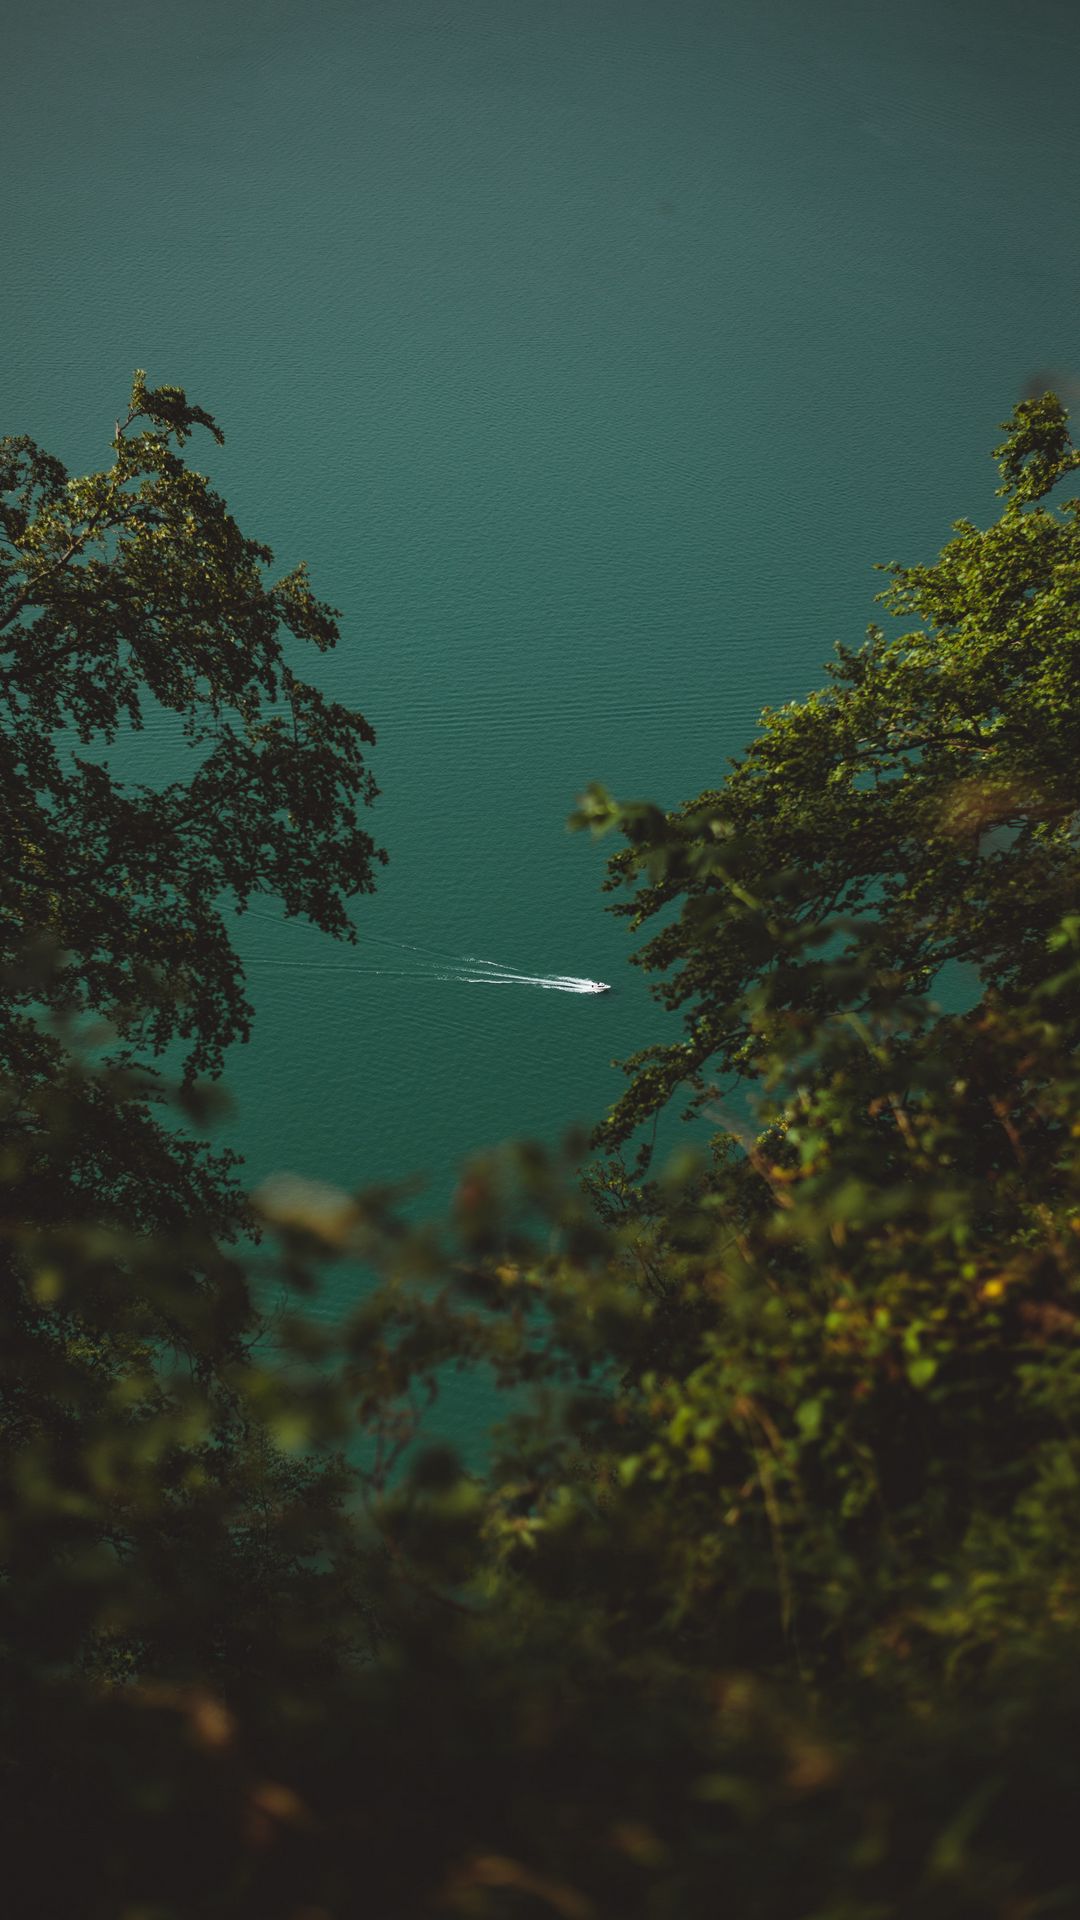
(126, 596)
(917, 812)
(770, 1601)
(133, 591)
(153, 1523)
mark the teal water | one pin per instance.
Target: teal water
(591, 351)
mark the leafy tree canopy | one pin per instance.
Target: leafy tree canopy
(918, 811)
(131, 591)
(142, 1439)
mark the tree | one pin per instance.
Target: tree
(141, 1431)
(128, 590)
(917, 812)
(881, 1282)
(135, 586)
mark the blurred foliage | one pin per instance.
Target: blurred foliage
(770, 1602)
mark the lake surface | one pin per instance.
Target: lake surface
(591, 352)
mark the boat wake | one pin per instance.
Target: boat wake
(428, 963)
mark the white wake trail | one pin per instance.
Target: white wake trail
(436, 964)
